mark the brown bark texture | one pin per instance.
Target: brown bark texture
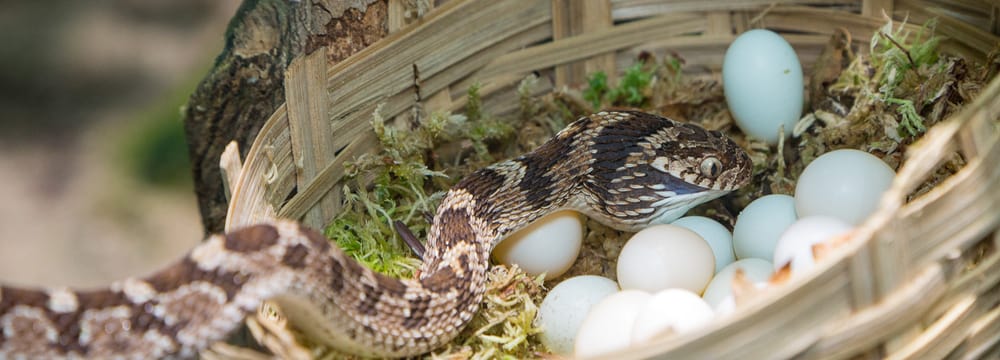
(245, 85)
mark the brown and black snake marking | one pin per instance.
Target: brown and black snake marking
(625, 169)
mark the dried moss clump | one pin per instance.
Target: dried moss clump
(505, 321)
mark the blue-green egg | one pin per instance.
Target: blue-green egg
(762, 79)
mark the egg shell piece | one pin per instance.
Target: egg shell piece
(608, 326)
(549, 245)
(760, 224)
(796, 243)
(846, 184)
(728, 304)
(671, 311)
(756, 271)
(763, 84)
(665, 256)
(718, 237)
(565, 306)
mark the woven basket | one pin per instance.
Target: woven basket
(907, 288)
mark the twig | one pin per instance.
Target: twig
(913, 64)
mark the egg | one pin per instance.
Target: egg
(760, 224)
(717, 236)
(549, 245)
(762, 80)
(755, 270)
(565, 306)
(608, 326)
(663, 257)
(671, 311)
(846, 184)
(796, 244)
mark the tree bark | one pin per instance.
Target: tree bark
(245, 84)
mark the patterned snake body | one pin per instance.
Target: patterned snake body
(624, 169)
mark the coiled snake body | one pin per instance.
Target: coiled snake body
(624, 169)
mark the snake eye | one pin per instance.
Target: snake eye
(711, 167)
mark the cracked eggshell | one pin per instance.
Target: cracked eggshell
(756, 271)
(671, 311)
(796, 243)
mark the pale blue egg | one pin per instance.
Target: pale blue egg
(846, 184)
(760, 224)
(762, 79)
(717, 236)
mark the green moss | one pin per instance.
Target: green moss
(904, 59)
(403, 187)
(632, 89)
(597, 87)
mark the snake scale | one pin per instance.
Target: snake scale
(625, 169)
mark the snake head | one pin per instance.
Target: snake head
(649, 169)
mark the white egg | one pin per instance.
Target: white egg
(756, 271)
(762, 80)
(760, 224)
(608, 326)
(717, 236)
(663, 257)
(549, 245)
(671, 311)
(566, 305)
(796, 243)
(846, 184)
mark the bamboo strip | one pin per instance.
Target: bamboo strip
(984, 335)
(267, 170)
(824, 21)
(435, 36)
(874, 324)
(587, 45)
(975, 194)
(965, 33)
(719, 23)
(230, 167)
(305, 90)
(573, 18)
(938, 340)
(459, 80)
(632, 9)
(324, 181)
(876, 8)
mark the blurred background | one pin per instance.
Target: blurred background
(95, 183)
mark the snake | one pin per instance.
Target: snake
(625, 169)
